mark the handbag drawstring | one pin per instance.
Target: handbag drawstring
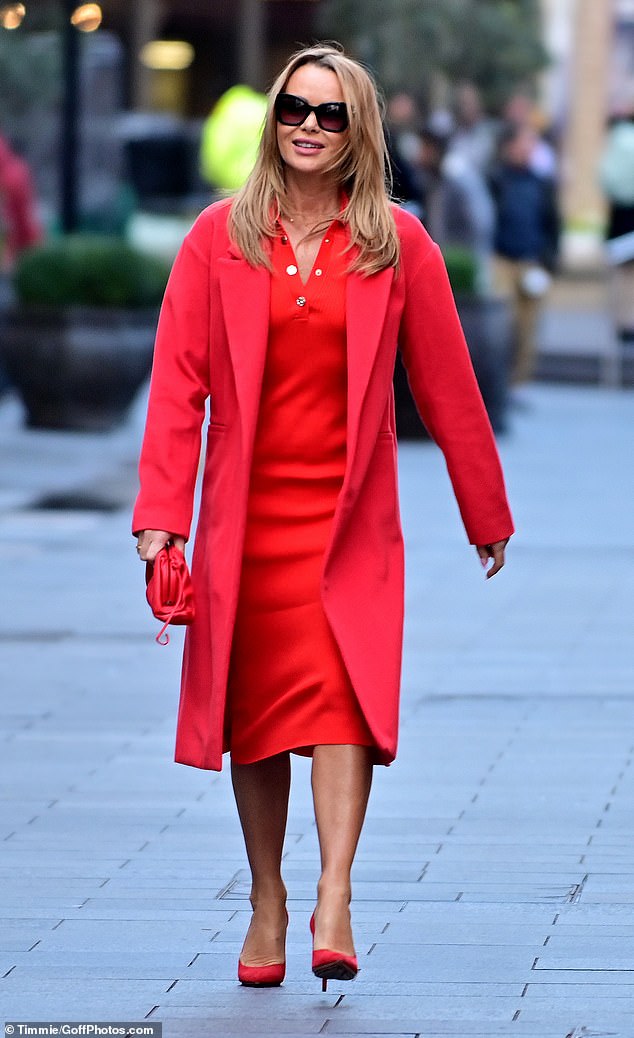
(163, 630)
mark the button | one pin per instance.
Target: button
(291, 269)
(318, 272)
(284, 240)
(301, 300)
(327, 240)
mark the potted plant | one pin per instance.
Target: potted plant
(78, 340)
(487, 324)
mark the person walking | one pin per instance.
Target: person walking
(526, 240)
(457, 204)
(284, 309)
(19, 224)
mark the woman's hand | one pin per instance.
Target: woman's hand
(150, 542)
(492, 551)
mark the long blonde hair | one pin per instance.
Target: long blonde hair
(361, 168)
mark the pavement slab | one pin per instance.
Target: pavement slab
(493, 889)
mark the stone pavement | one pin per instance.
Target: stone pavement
(494, 889)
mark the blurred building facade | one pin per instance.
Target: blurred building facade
(591, 75)
(228, 41)
(231, 41)
(590, 80)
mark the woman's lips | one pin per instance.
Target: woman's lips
(305, 145)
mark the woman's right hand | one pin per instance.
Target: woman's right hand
(150, 542)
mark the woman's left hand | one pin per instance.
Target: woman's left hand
(492, 551)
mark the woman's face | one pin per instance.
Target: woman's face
(308, 148)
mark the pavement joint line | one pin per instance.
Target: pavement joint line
(493, 712)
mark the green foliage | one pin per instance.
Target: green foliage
(411, 43)
(462, 268)
(89, 271)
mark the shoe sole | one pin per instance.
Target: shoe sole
(335, 971)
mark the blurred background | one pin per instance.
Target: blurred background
(509, 124)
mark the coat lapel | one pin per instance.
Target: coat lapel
(245, 293)
(366, 306)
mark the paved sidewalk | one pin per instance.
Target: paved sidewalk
(494, 889)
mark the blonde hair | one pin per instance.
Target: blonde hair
(361, 169)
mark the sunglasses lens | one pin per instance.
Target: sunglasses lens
(290, 110)
(293, 111)
(332, 117)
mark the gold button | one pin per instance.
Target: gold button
(318, 272)
(284, 240)
(291, 269)
(327, 241)
(301, 300)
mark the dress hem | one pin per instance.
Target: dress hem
(378, 757)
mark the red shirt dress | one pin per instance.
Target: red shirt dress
(288, 687)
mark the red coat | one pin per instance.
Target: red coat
(211, 341)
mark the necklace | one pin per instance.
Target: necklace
(307, 218)
(310, 221)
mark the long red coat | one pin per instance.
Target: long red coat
(211, 342)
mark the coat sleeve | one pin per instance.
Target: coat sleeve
(179, 387)
(446, 393)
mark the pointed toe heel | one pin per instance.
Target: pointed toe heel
(261, 976)
(270, 976)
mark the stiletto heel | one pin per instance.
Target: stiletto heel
(332, 965)
(270, 976)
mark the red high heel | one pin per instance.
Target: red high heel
(332, 965)
(261, 976)
(270, 976)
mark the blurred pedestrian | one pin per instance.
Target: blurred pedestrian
(526, 239)
(475, 134)
(520, 109)
(284, 308)
(616, 172)
(19, 223)
(457, 204)
(231, 137)
(402, 126)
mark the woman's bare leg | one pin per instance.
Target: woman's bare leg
(341, 780)
(261, 792)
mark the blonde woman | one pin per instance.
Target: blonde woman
(285, 308)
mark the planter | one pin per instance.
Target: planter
(488, 326)
(77, 367)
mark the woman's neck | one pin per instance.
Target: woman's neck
(311, 199)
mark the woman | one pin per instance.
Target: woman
(285, 308)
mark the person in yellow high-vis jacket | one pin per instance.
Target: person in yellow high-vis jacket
(231, 137)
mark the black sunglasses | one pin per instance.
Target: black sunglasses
(290, 110)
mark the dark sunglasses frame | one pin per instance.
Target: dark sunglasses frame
(337, 108)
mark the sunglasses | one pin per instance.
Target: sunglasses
(290, 110)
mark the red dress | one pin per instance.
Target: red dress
(288, 686)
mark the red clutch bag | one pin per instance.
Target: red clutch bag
(169, 590)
